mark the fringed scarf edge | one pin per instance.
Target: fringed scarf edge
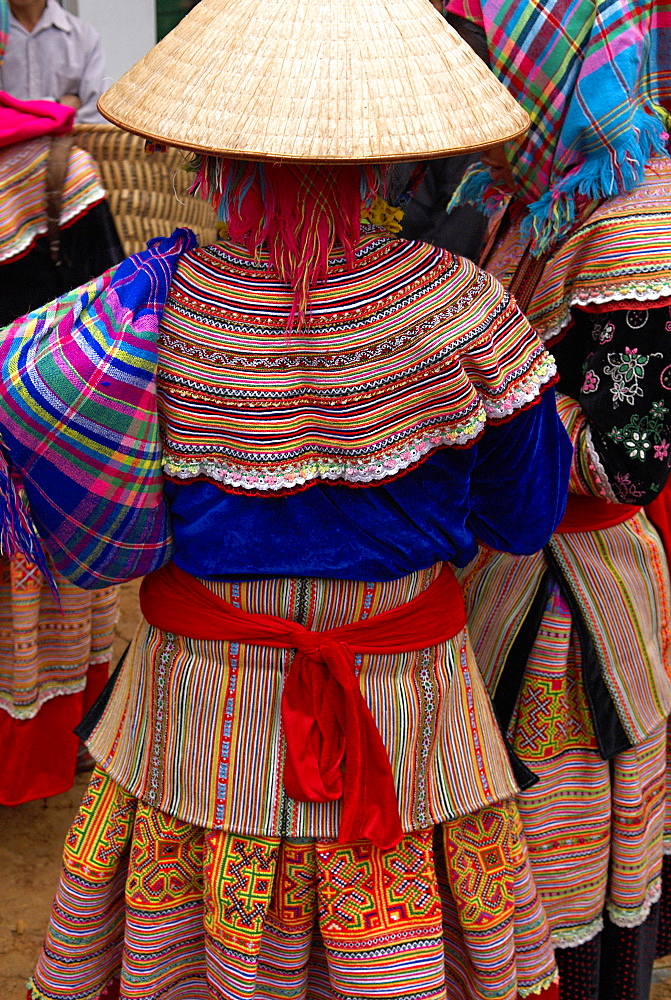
(605, 174)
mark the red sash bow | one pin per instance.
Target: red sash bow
(333, 747)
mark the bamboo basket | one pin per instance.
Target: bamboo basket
(147, 194)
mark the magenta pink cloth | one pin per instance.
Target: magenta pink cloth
(21, 120)
(469, 10)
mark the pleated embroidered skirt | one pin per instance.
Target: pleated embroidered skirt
(153, 907)
(190, 874)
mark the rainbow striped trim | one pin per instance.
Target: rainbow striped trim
(412, 350)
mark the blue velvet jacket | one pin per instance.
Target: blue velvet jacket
(508, 490)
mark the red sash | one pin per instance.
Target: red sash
(659, 513)
(333, 747)
(585, 513)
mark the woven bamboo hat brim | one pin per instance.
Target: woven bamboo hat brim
(316, 80)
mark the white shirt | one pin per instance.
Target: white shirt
(61, 55)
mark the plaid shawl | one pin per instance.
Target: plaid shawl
(79, 424)
(591, 74)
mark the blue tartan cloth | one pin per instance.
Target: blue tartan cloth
(79, 424)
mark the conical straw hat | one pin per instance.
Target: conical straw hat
(317, 80)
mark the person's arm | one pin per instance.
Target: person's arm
(71, 101)
(92, 81)
(519, 483)
(620, 424)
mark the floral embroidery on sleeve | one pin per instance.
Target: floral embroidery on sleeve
(591, 383)
(627, 371)
(617, 365)
(642, 432)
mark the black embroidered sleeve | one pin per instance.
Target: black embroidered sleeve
(618, 366)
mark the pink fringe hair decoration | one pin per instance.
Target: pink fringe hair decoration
(298, 211)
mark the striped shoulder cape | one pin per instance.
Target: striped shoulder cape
(413, 350)
(591, 270)
(23, 172)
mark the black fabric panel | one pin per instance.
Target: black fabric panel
(610, 734)
(579, 971)
(89, 246)
(615, 409)
(664, 932)
(426, 219)
(615, 965)
(627, 954)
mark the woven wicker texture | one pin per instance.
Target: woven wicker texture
(147, 195)
(315, 80)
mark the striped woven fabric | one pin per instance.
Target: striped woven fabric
(78, 420)
(598, 824)
(46, 646)
(631, 631)
(590, 269)
(590, 73)
(442, 915)
(620, 582)
(411, 350)
(194, 728)
(637, 830)
(23, 169)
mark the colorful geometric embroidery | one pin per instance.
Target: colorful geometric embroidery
(381, 920)
(349, 880)
(479, 861)
(166, 861)
(485, 879)
(84, 942)
(215, 914)
(553, 716)
(240, 874)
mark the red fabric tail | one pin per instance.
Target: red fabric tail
(331, 725)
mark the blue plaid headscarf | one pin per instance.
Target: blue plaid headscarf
(592, 75)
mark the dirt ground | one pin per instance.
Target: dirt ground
(31, 838)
